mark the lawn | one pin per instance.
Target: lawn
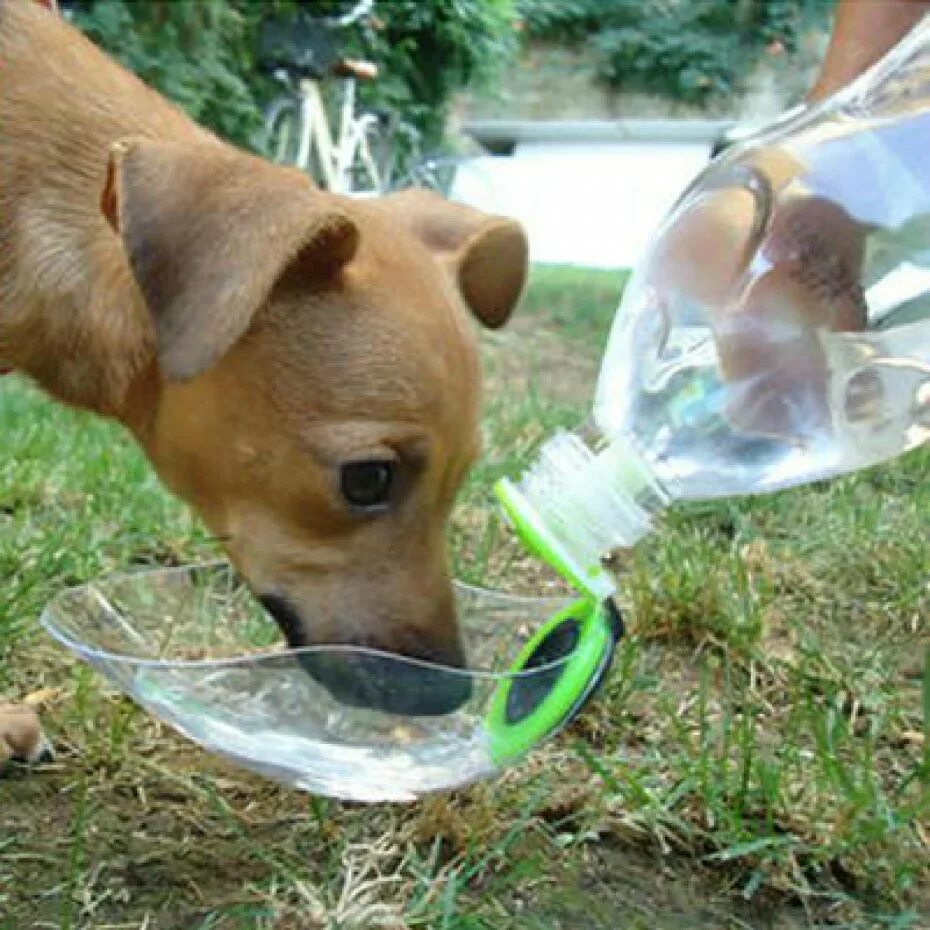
(759, 758)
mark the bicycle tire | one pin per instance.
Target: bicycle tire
(434, 172)
(282, 130)
(378, 144)
(456, 176)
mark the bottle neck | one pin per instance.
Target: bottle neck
(576, 504)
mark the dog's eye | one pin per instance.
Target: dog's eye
(368, 485)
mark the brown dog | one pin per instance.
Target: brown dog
(299, 366)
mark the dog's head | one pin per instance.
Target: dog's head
(317, 387)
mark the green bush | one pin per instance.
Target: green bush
(688, 50)
(197, 52)
(568, 20)
(202, 53)
(659, 60)
(431, 49)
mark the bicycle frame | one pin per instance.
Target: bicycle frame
(336, 157)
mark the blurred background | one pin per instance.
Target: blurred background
(583, 118)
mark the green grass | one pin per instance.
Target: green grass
(760, 756)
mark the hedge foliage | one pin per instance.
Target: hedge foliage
(204, 53)
(687, 50)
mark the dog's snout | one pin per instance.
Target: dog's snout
(286, 616)
(389, 683)
(410, 675)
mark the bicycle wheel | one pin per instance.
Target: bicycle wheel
(372, 168)
(282, 131)
(455, 170)
(460, 177)
(436, 172)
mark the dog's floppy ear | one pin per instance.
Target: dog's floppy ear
(487, 254)
(208, 233)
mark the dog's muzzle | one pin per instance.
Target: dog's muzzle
(367, 678)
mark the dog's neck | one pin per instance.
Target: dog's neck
(71, 314)
(132, 402)
(87, 342)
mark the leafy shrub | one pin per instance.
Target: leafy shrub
(428, 50)
(197, 52)
(202, 53)
(688, 50)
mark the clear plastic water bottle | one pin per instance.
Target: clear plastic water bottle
(777, 332)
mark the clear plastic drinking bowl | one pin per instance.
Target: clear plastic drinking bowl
(195, 649)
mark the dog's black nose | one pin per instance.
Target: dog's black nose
(389, 683)
(285, 615)
(386, 682)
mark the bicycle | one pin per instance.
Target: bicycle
(303, 54)
(363, 159)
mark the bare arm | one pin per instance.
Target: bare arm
(863, 31)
